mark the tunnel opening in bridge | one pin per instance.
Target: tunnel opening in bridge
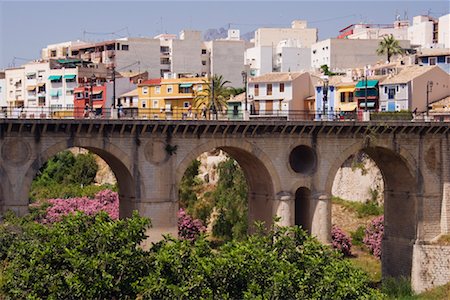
(303, 208)
(73, 175)
(391, 195)
(232, 189)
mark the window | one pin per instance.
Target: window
(79, 95)
(165, 61)
(199, 88)
(350, 97)
(186, 104)
(256, 89)
(432, 61)
(69, 92)
(281, 87)
(169, 89)
(125, 47)
(447, 59)
(385, 90)
(86, 95)
(342, 97)
(145, 90)
(164, 49)
(203, 51)
(203, 62)
(158, 89)
(391, 93)
(184, 90)
(396, 88)
(98, 96)
(144, 104)
(269, 89)
(155, 104)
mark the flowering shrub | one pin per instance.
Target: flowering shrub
(341, 241)
(106, 200)
(189, 228)
(374, 236)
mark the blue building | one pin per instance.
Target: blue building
(435, 57)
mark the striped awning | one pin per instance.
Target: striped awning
(54, 77)
(346, 89)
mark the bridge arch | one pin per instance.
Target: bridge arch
(261, 175)
(117, 160)
(402, 189)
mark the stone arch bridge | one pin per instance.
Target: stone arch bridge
(289, 166)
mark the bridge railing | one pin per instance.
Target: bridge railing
(201, 114)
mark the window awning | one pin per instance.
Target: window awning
(369, 104)
(185, 85)
(346, 90)
(98, 92)
(54, 77)
(98, 105)
(54, 93)
(70, 76)
(351, 106)
(41, 84)
(30, 74)
(370, 84)
(31, 88)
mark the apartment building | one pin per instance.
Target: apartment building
(407, 90)
(60, 50)
(435, 57)
(280, 95)
(399, 30)
(3, 103)
(423, 32)
(342, 54)
(299, 31)
(49, 84)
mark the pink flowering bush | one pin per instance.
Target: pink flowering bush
(189, 228)
(105, 200)
(341, 241)
(374, 236)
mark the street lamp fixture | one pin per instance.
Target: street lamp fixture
(429, 88)
(244, 81)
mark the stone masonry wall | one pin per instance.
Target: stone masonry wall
(431, 267)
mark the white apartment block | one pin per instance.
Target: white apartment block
(423, 32)
(289, 57)
(444, 31)
(299, 31)
(399, 30)
(186, 54)
(3, 102)
(60, 50)
(259, 60)
(48, 84)
(342, 54)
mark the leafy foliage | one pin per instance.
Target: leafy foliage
(341, 241)
(230, 198)
(374, 236)
(81, 257)
(358, 236)
(285, 263)
(189, 228)
(66, 175)
(389, 46)
(215, 95)
(369, 208)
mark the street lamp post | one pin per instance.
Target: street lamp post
(325, 96)
(93, 78)
(244, 81)
(429, 88)
(365, 91)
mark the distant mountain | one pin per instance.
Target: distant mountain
(222, 33)
(214, 34)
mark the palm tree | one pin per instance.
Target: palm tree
(390, 46)
(215, 95)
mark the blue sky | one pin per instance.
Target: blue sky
(28, 26)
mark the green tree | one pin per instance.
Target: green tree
(84, 170)
(215, 95)
(230, 198)
(187, 193)
(389, 46)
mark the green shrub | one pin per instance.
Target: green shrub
(285, 263)
(358, 236)
(81, 257)
(370, 208)
(397, 288)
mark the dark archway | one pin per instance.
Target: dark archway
(114, 158)
(303, 208)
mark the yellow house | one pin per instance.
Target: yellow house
(170, 98)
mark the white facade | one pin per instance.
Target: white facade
(259, 60)
(36, 82)
(15, 87)
(394, 97)
(342, 54)
(399, 31)
(60, 50)
(186, 53)
(444, 31)
(289, 57)
(298, 31)
(3, 102)
(420, 33)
